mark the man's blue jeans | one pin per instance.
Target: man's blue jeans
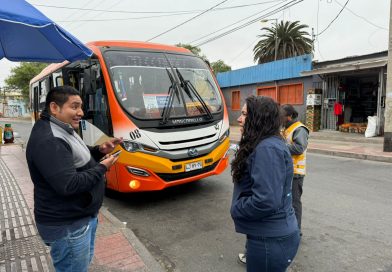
(74, 252)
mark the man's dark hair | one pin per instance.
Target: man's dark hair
(59, 95)
(288, 110)
(262, 121)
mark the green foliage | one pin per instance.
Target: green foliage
(219, 67)
(194, 49)
(21, 75)
(291, 41)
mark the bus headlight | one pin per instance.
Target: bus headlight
(135, 146)
(131, 146)
(224, 135)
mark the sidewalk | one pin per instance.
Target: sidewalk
(339, 144)
(21, 249)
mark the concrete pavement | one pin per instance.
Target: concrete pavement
(117, 248)
(21, 249)
(340, 144)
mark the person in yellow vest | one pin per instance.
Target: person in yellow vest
(296, 135)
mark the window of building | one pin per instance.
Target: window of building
(291, 94)
(235, 100)
(267, 91)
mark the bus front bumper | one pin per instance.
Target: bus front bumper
(149, 173)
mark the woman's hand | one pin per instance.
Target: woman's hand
(109, 146)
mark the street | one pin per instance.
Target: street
(345, 222)
(346, 219)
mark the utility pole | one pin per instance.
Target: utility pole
(388, 97)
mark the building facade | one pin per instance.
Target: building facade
(281, 80)
(353, 88)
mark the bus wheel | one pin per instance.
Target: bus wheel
(109, 192)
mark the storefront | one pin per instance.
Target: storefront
(353, 89)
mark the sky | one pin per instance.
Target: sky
(361, 27)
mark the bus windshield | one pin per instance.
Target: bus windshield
(143, 81)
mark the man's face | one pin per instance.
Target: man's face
(242, 118)
(286, 119)
(70, 113)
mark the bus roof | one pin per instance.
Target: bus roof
(94, 46)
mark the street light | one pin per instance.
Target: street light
(276, 34)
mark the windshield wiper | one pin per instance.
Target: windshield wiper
(169, 103)
(189, 89)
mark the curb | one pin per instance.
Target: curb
(343, 154)
(149, 261)
(350, 155)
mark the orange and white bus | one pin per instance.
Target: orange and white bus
(164, 102)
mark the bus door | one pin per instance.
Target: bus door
(87, 77)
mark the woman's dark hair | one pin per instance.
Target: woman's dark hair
(288, 110)
(262, 121)
(59, 95)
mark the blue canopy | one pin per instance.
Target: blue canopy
(28, 35)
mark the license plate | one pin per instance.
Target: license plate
(193, 166)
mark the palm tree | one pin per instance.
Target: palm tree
(291, 41)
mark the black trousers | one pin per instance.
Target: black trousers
(298, 182)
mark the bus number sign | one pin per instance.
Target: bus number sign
(135, 134)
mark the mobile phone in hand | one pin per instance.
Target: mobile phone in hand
(117, 153)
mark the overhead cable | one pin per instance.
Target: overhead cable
(159, 12)
(288, 5)
(333, 19)
(239, 21)
(362, 17)
(194, 17)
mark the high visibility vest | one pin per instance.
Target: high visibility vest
(299, 161)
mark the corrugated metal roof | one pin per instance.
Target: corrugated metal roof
(276, 70)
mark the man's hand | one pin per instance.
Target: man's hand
(108, 161)
(109, 146)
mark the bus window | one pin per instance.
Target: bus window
(43, 91)
(143, 80)
(34, 100)
(58, 79)
(100, 106)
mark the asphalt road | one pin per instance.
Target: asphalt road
(346, 219)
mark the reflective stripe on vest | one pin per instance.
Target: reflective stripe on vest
(299, 161)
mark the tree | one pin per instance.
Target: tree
(291, 41)
(21, 75)
(219, 67)
(194, 49)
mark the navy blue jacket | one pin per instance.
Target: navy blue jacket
(262, 201)
(68, 181)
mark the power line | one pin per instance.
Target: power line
(159, 12)
(333, 19)
(81, 23)
(363, 18)
(233, 59)
(285, 6)
(239, 21)
(125, 19)
(82, 14)
(194, 17)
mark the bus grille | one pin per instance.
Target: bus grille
(176, 176)
(187, 141)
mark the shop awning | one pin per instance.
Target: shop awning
(346, 67)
